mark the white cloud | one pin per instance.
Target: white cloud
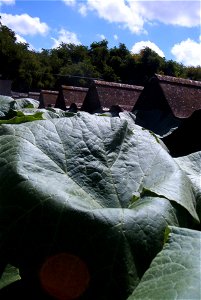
(115, 36)
(66, 37)
(69, 2)
(133, 14)
(116, 11)
(101, 36)
(24, 24)
(187, 52)
(82, 9)
(137, 47)
(20, 39)
(7, 2)
(172, 12)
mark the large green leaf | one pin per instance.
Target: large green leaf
(98, 187)
(191, 165)
(175, 272)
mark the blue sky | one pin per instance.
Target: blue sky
(171, 28)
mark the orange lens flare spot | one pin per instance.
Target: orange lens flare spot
(64, 276)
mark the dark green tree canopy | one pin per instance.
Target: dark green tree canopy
(68, 63)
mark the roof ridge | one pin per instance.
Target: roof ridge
(117, 84)
(178, 80)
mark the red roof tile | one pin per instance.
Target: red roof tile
(69, 95)
(102, 95)
(48, 98)
(180, 96)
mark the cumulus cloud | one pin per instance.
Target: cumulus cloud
(187, 52)
(101, 36)
(24, 24)
(66, 37)
(69, 2)
(116, 11)
(20, 39)
(83, 9)
(133, 14)
(7, 2)
(172, 12)
(137, 47)
(115, 36)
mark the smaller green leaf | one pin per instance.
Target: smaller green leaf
(10, 275)
(134, 198)
(22, 118)
(19, 104)
(191, 165)
(166, 235)
(5, 103)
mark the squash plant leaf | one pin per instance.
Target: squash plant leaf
(9, 107)
(175, 271)
(10, 275)
(97, 187)
(5, 104)
(191, 165)
(21, 117)
(21, 103)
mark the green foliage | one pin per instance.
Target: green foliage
(101, 188)
(48, 69)
(191, 165)
(11, 53)
(175, 272)
(10, 275)
(26, 110)
(95, 186)
(193, 73)
(5, 105)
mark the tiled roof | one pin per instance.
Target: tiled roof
(48, 98)
(5, 87)
(102, 95)
(171, 107)
(183, 95)
(180, 96)
(69, 95)
(18, 95)
(34, 95)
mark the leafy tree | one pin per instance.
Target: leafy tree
(193, 73)
(73, 73)
(11, 53)
(78, 53)
(99, 54)
(151, 63)
(118, 60)
(31, 70)
(172, 68)
(120, 52)
(109, 74)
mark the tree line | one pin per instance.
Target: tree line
(76, 64)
